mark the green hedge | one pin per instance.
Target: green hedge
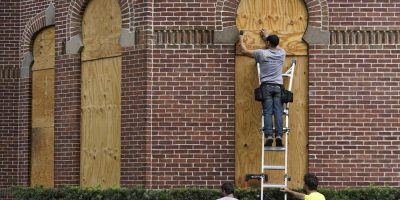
(74, 193)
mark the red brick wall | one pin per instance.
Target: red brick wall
(354, 115)
(9, 37)
(353, 100)
(9, 96)
(9, 142)
(185, 13)
(178, 93)
(358, 14)
(193, 116)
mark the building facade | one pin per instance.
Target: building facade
(178, 93)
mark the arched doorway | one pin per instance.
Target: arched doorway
(101, 95)
(287, 19)
(42, 152)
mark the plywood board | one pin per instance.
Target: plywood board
(101, 29)
(42, 169)
(276, 15)
(287, 19)
(44, 50)
(101, 95)
(101, 122)
(248, 119)
(298, 138)
(42, 155)
(291, 42)
(43, 98)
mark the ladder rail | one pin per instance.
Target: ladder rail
(291, 70)
(288, 74)
(262, 139)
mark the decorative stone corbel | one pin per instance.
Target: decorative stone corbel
(74, 45)
(228, 35)
(27, 62)
(315, 35)
(127, 38)
(50, 15)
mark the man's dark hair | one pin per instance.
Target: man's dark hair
(311, 181)
(228, 188)
(273, 40)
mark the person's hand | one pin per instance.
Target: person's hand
(285, 190)
(241, 35)
(263, 32)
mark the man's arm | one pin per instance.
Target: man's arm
(245, 51)
(296, 195)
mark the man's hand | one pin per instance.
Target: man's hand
(285, 190)
(263, 33)
(293, 193)
(241, 37)
(244, 49)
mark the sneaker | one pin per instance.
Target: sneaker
(278, 142)
(269, 142)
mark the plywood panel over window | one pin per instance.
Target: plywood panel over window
(101, 95)
(288, 20)
(101, 27)
(42, 160)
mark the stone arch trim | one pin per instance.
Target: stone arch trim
(34, 25)
(318, 17)
(76, 11)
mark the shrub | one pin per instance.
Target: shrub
(75, 193)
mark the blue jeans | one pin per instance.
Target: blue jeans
(273, 105)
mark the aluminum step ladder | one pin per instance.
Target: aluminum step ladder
(286, 130)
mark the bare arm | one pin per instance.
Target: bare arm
(245, 51)
(296, 195)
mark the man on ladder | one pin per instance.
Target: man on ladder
(271, 61)
(269, 66)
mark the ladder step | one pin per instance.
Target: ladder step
(286, 112)
(267, 148)
(274, 185)
(274, 167)
(286, 130)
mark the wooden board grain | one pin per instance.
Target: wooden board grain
(101, 95)
(42, 167)
(248, 118)
(44, 50)
(287, 19)
(290, 41)
(101, 123)
(43, 98)
(276, 15)
(298, 138)
(42, 150)
(101, 30)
